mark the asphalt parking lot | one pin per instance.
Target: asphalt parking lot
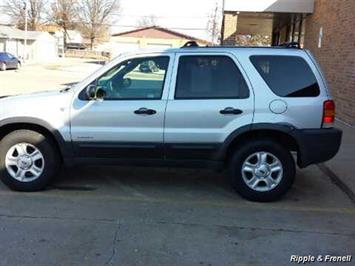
(46, 76)
(163, 216)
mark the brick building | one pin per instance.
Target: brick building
(325, 27)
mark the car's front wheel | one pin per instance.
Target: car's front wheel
(2, 66)
(262, 170)
(28, 160)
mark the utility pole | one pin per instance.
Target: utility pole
(61, 44)
(25, 41)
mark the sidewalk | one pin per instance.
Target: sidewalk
(343, 164)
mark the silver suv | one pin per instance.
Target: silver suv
(252, 111)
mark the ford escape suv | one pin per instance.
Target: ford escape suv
(253, 111)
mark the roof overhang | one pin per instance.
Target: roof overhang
(277, 6)
(255, 23)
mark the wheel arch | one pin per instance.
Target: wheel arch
(12, 124)
(280, 133)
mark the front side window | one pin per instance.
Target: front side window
(209, 77)
(134, 79)
(286, 76)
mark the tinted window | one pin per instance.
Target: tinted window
(287, 76)
(209, 77)
(138, 78)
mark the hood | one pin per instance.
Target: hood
(38, 104)
(47, 93)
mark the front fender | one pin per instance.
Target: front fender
(64, 146)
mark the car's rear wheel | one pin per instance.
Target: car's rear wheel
(262, 170)
(2, 66)
(28, 160)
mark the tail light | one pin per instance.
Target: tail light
(328, 112)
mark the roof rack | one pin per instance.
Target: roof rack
(282, 45)
(190, 44)
(291, 45)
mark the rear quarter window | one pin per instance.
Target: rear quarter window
(287, 76)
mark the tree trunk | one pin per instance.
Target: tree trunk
(92, 39)
(65, 39)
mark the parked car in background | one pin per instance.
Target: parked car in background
(8, 61)
(148, 67)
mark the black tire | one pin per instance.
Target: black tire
(242, 152)
(44, 144)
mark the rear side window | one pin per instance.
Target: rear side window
(287, 76)
(209, 77)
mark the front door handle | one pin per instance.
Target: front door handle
(145, 111)
(231, 111)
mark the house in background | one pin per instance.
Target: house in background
(41, 46)
(147, 38)
(74, 39)
(325, 27)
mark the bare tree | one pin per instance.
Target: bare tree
(63, 13)
(94, 17)
(213, 27)
(16, 10)
(253, 40)
(148, 21)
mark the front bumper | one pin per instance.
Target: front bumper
(316, 145)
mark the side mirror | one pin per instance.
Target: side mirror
(94, 92)
(91, 91)
(100, 93)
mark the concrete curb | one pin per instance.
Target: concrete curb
(341, 169)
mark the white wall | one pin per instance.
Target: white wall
(14, 47)
(116, 48)
(45, 49)
(2, 45)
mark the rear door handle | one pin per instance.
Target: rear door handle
(231, 111)
(145, 111)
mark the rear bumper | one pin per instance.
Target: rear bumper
(316, 145)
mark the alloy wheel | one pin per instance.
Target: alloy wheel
(24, 162)
(262, 171)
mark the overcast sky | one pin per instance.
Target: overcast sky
(186, 16)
